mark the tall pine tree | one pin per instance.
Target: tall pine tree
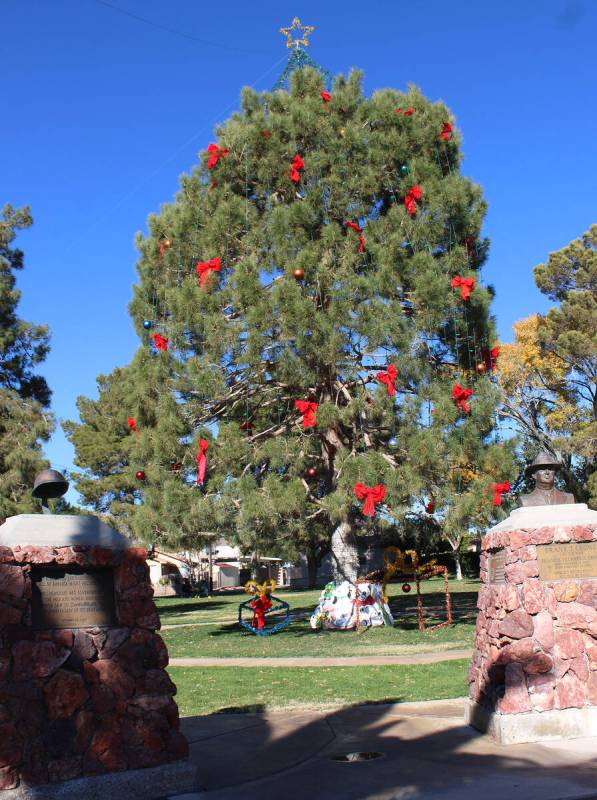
(314, 295)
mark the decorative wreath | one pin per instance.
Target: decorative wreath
(261, 604)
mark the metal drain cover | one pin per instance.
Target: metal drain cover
(353, 757)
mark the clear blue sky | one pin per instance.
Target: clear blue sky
(102, 112)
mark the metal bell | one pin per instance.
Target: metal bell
(48, 484)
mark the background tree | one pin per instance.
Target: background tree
(316, 245)
(549, 375)
(24, 424)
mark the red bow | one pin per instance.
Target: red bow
(406, 112)
(326, 97)
(461, 396)
(133, 425)
(357, 229)
(466, 286)
(260, 605)
(490, 358)
(201, 461)
(446, 131)
(161, 342)
(205, 267)
(371, 495)
(295, 169)
(216, 154)
(369, 601)
(498, 490)
(389, 378)
(409, 201)
(308, 410)
(430, 507)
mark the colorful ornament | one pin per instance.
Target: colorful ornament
(406, 112)
(392, 441)
(498, 490)
(161, 342)
(205, 267)
(480, 367)
(309, 411)
(303, 31)
(164, 245)
(461, 395)
(342, 133)
(389, 378)
(215, 154)
(404, 169)
(406, 588)
(312, 472)
(371, 495)
(266, 134)
(260, 605)
(201, 462)
(466, 286)
(298, 274)
(297, 166)
(140, 475)
(132, 425)
(412, 195)
(446, 132)
(326, 97)
(247, 427)
(490, 358)
(430, 507)
(147, 324)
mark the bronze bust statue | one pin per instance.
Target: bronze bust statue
(544, 469)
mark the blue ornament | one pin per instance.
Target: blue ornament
(393, 442)
(147, 324)
(404, 169)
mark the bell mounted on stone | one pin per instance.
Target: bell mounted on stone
(49, 484)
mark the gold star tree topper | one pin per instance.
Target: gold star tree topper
(305, 30)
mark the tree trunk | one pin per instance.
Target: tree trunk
(345, 554)
(458, 565)
(312, 564)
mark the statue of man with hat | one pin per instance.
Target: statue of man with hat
(543, 469)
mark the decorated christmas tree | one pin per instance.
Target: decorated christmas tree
(317, 349)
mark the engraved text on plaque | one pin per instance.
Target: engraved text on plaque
(564, 561)
(497, 567)
(69, 598)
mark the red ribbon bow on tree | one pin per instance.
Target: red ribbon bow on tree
(326, 97)
(205, 267)
(430, 507)
(201, 461)
(498, 490)
(309, 410)
(389, 378)
(216, 153)
(260, 605)
(490, 358)
(161, 342)
(461, 396)
(371, 496)
(409, 201)
(295, 169)
(446, 131)
(368, 601)
(133, 425)
(406, 112)
(466, 286)
(354, 226)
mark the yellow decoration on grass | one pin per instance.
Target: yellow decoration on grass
(306, 30)
(261, 589)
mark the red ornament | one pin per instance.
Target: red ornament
(205, 267)
(161, 342)
(201, 461)
(446, 131)
(461, 396)
(216, 153)
(247, 426)
(371, 495)
(490, 358)
(212, 185)
(498, 490)
(389, 378)
(406, 112)
(164, 245)
(466, 286)
(309, 411)
(298, 274)
(297, 166)
(140, 475)
(266, 134)
(312, 472)
(406, 588)
(430, 507)
(412, 195)
(132, 424)
(326, 97)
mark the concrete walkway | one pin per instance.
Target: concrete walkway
(323, 661)
(426, 753)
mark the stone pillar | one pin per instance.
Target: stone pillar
(86, 700)
(533, 675)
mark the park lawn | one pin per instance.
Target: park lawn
(217, 690)
(214, 634)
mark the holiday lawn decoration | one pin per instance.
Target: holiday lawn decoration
(352, 606)
(261, 604)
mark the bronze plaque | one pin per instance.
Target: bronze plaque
(497, 567)
(564, 561)
(71, 598)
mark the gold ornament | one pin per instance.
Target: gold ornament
(342, 133)
(304, 29)
(298, 274)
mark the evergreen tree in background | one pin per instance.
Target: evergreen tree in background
(24, 424)
(313, 292)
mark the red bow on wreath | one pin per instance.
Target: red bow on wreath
(371, 496)
(466, 286)
(498, 490)
(326, 97)
(490, 358)
(409, 201)
(406, 112)
(216, 153)
(446, 131)
(357, 229)
(205, 267)
(389, 378)
(201, 461)
(260, 605)
(161, 342)
(309, 411)
(295, 169)
(461, 396)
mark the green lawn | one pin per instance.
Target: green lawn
(214, 633)
(226, 689)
